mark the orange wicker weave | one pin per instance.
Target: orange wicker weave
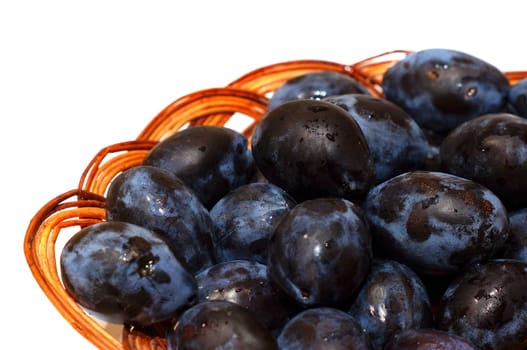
(85, 205)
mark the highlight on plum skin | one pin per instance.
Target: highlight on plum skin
(442, 88)
(487, 305)
(124, 273)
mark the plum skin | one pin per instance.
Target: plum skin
(492, 150)
(124, 273)
(442, 88)
(397, 143)
(320, 252)
(487, 305)
(245, 283)
(323, 328)
(517, 98)
(219, 325)
(315, 85)
(392, 299)
(516, 245)
(427, 339)
(312, 148)
(211, 160)
(435, 222)
(244, 219)
(156, 199)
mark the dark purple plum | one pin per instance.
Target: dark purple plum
(123, 273)
(244, 219)
(211, 160)
(392, 299)
(397, 143)
(435, 222)
(158, 200)
(491, 150)
(323, 328)
(517, 98)
(442, 88)
(516, 245)
(245, 283)
(428, 339)
(312, 148)
(219, 325)
(316, 86)
(320, 252)
(487, 305)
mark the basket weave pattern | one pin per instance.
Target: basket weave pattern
(85, 205)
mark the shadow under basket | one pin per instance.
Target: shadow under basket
(244, 98)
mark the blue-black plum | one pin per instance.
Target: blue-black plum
(158, 200)
(517, 98)
(392, 299)
(487, 305)
(516, 245)
(245, 283)
(323, 328)
(312, 148)
(320, 252)
(211, 160)
(435, 222)
(244, 219)
(397, 143)
(124, 273)
(315, 86)
(492, 150)
(441, 88)
(219, 325)
(428, 339)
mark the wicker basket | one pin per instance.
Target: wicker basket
(85, 205)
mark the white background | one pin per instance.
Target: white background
(77, 76)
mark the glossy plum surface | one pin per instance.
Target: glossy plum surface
(312, 148)
(320, 252)
(517, 98)
(442, 88)
(315, 86)
(487, 305)
(211, 160)
(492, 150)
(428, 339)
(323, 328)
(245, 218)
(219, 325)
(245, 283)
(124, 273)
(392, 299)
(516, 245)
(154, 198)
(397, 143)
(435, 222)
